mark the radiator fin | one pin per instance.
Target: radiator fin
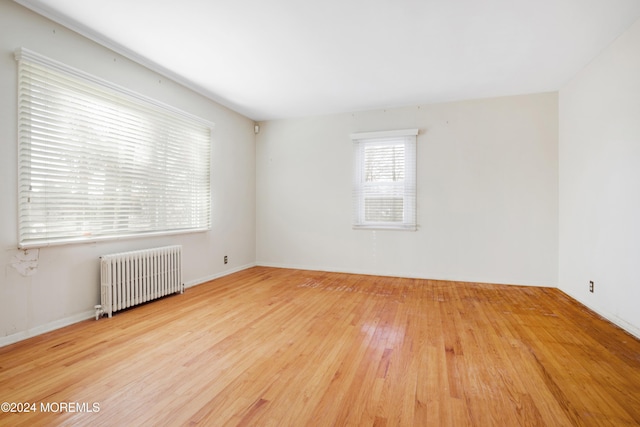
(135, 277)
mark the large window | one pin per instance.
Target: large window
(384, 187)
(97, 161)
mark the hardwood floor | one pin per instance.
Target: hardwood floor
(272, 347)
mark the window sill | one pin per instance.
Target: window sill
(385, 227)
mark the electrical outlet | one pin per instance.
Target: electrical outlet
(226, 260)
(591, 286)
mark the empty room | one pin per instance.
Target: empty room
(336, 213)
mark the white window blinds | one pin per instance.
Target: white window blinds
(99, 162)
(384, 187)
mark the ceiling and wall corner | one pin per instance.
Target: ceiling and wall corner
(287, 58)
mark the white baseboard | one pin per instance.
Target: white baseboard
(628, 327)
(621, 323)
(338, 270)
(51, 326)
(57, 324)
(202, 280)
(405, 275)
(47, 327)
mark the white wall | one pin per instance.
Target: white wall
(66, 285)
(599, 159)
(487, 193)
(488, 173)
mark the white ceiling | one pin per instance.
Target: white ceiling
(272, 59)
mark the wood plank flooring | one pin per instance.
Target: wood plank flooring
(276, 347)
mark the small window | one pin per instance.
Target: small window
(384, 188)
(97, 161)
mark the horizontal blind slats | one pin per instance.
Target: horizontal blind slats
(384, 182)
(93, 162)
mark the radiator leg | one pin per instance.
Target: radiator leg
(99, 311)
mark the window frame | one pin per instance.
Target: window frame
(170, 136)
(405, 188)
